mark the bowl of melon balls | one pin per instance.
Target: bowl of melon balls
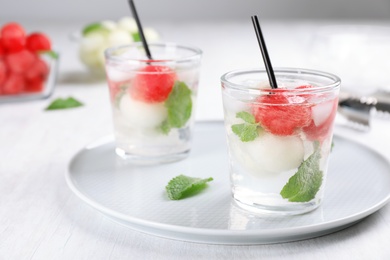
(95, 38)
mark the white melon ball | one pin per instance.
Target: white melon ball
(321, 112)
(90, 58)
(142, 115)
(92, 42)
(151, 35)
(275, 154)
(100, 55)
(110, 25)
(128, 24)
(119, 37)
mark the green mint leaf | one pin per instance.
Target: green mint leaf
(165, 127)
(136, 37)
(179, 106)
(246, 132)
(61, 103)
(306, 182)
(183, 186)
(52, 54)
(94, 27)
(247, 117)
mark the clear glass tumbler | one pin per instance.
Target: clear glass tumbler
(153, 101)
(279, 139)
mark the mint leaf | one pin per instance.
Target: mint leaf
(136, 37)
(61, 103)
(94, 27)
(247, 117)
(306, 182)
(183, 186)
(247, 131)
(179, 106)
(165, 127)
(51, 54)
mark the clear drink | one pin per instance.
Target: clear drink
(153, 101)
(279, 139)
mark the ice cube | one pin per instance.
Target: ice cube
(117, 75)
(321, 112)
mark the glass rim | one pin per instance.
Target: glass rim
(197, 53)
(336, 81)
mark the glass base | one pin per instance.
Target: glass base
(282, 210)
(150, 160)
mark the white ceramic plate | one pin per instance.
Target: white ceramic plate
(358, 184)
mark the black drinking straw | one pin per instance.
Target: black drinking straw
(264, 52)
(140, 30)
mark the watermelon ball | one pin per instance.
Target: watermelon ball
(37, 71)
(14, 84)
(38, 42)
(36, 76)
(3, 72)
(2, 50)
(13, 37)
(20, 61)
(281, 115)
(153, 84)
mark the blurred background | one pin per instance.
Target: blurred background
(85, 10)
(350, 38)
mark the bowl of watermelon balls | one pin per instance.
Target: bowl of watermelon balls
(95, 38)
(27, 64)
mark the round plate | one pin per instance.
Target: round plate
(358, 184)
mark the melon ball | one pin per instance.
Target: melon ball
(128, 24)
(119, 37)
(89, 58)
(151, 35)
(110, 25)
(274, 154)
(140, 114)
(92, 42)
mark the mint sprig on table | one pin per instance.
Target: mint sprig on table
(61, 103)
(183, 186)
(247, 131)
(179, 107)
(306, 182)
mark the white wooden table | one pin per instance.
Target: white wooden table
(40, 218)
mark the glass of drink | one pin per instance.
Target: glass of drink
(279, 139)
(153, 101)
